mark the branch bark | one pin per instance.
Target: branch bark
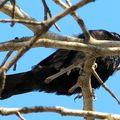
(59, 110)
(97, 47)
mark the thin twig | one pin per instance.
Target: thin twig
(13, 2)
(66, 70)
(2, 79)
(103, 85)
(15, 66)
(77, 18)
(20, 116)
(47, 11)
(21, 21)
(68, 3)
(6, 58)
(20, 53)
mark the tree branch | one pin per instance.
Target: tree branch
(59, 110)
(98, 47)
(76, 17)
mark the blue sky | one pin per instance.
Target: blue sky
(102, 14)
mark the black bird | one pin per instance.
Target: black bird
(33, 80)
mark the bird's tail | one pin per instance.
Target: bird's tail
(18, 83)
(28, 81)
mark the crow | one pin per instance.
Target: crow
(34, 80)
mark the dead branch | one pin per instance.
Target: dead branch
(59, 110)
(84, 82)
(76, 17)
(13, 2)
(103, 85)
(6, 58)
(99, 47)
(66, 70)
(20, 116)
(19, 14)
(48, 12)
(2, 79)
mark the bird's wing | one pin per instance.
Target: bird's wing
(60, 59)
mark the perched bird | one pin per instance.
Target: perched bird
(33, 80)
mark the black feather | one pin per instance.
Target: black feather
(34, 79)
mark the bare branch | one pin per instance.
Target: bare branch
(84, 82)
(6, 58)
(29, 22)
(68, 3)
(19, 14)
(98, 47)
(47, 11)
(20, 116)
(66, 70)
(13, 2)
(2, 79)
(59, 110)
(76, 17)
(103, 85)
